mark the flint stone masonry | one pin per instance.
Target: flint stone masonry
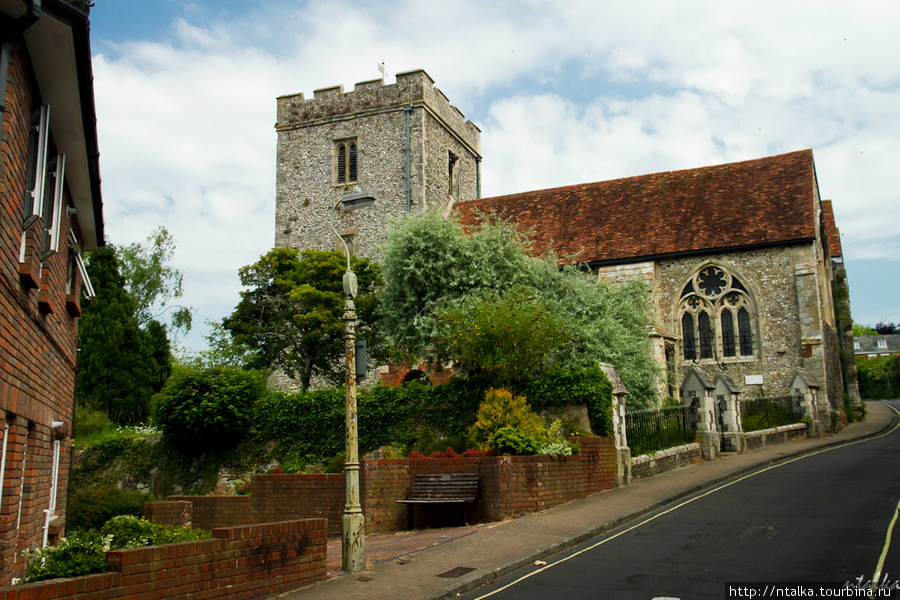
(375, 116)
(787, 300)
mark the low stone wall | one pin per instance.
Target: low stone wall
(510, 486)
(648, 465)
(238, 563)
(775, 435)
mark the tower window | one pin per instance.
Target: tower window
(347, 170)
(453, 174)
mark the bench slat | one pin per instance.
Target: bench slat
(437, 488)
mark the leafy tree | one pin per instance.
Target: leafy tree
(120, 366)
(509, 337)
(221, 351)
(152, 281)
(887, 328)
(208, 409)
(860, 330)
(432, 266)
(429, 263)
(291, 314)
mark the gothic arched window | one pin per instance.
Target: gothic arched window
(717, 316)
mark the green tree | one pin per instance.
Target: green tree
(431, 266)
(153, 282)
(510, 337)
(221, 351)
(120, 366)
(860, 330)
(291, 314)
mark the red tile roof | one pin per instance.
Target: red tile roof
(757, 202)
(831, 229)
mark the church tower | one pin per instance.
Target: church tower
(402, 143)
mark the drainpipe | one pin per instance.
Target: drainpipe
(408, 111)
(478, 175)
(50, 512)
(3, 460)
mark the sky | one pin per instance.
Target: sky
(563, 92)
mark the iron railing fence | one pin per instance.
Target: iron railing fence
(652, 429)
(763, 413)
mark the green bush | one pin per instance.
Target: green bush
(878, 377)
(502, 409)
(308, 427)
(208, 409)
(509, 441)
(77, 554)
(90, 509)
(85, 552)
(91, 422)
(132, 532)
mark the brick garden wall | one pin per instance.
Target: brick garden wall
(238, 562)
(510, 485)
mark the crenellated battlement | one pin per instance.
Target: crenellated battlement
(412, 88)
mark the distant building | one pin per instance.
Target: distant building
(873, 346)
(52, 212)
(742, 259)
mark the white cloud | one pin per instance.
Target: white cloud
(563, 92)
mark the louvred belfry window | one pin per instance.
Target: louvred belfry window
(347, 162)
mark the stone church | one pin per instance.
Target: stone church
(743, 260)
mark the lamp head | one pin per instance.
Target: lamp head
(357, 199)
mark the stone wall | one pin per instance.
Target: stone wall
(373, 114)
(237, 563)
(774, 435)
(789, 330)
(648, 465)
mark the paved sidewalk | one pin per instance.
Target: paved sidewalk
(435, 564)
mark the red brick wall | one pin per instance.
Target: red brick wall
(514, 485)
(252, 561)
(209, 512)
(37, 347)
(382, 483)
(301, 496)
(171, 513)
(510, 485)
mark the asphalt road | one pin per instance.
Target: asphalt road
(822, 517)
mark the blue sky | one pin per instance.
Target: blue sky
(563, 93)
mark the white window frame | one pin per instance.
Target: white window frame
(53, 221)
(86, 287)
(38, 162)
(882, 344)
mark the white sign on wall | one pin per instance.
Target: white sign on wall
(753, 379)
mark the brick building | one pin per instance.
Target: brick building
(742, 260)
(52, 212)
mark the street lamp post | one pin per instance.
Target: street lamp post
(353, 540)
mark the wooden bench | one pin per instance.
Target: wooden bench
(442, 488)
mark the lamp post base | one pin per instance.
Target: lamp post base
(353, 550)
